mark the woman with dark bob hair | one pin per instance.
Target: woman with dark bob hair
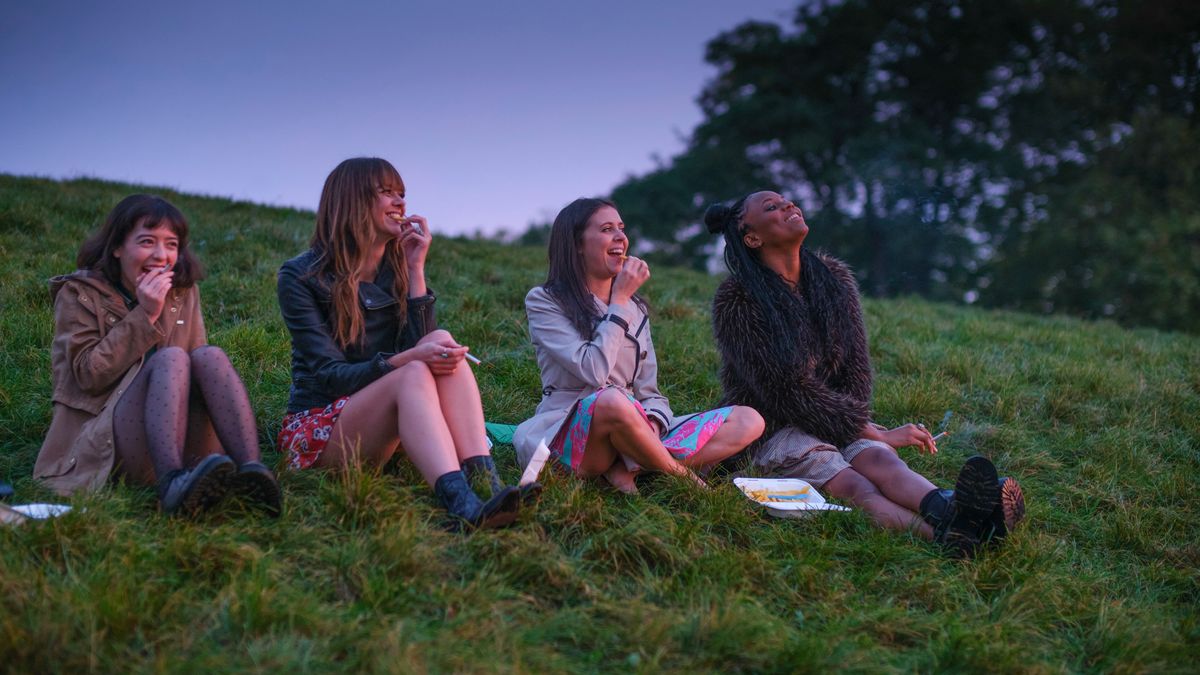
(136, 387)
(601, 411)
(790, 331)
(371, 372)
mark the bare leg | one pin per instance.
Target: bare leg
(400, 409)
(150, 418)
(852, 486)
(226, 406)
(739, 430)
(617, 427)
(461, 406)
(900, 484)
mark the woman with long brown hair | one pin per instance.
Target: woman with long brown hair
(601, 411)
(371, 372)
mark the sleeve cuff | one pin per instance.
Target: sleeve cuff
(624, 311)
(381, 363)
(427, 299)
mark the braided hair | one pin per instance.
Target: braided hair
(820, 296)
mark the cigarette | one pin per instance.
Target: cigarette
(944, 433)
(474, 360)
(624, 257)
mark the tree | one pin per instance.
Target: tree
(959, 148)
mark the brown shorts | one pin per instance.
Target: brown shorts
(791, 453)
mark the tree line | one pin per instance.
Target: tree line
(1031, 154)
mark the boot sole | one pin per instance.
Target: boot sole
(976, 497)
(259, 490)
(1012, 502)
(504, 512)
(210, 485)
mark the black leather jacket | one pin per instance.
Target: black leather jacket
(322, 371)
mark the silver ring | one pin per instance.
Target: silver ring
(920, 426)
(445, 355)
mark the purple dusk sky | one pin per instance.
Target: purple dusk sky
(496, 113)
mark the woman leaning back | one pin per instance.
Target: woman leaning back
(137, 390)
(790, 331)
(371, 373)
(601, 411)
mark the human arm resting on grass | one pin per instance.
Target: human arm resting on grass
(591, 360)
(788, 394)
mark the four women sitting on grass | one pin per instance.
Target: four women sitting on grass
(137, 388)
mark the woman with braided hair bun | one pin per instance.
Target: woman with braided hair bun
(789, 327)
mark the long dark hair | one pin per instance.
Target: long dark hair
(345, 231)
(565, 280)
(819, 296)
(152, 212)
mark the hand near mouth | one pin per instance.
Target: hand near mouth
(634, 272)
(152, 288)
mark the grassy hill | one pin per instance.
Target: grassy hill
(1102, 425)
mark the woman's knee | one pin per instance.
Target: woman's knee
(168, 357)
(853, 486)
(613, 406)
(209, 357)
(414, 374)
(879, 458)
(439, 335)
(748, 422)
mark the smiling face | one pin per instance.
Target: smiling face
(603, 244)
(769, 220)
(388, 212)
(145, 249)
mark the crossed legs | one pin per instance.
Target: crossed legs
(618, 429)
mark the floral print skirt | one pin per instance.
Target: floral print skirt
(305, 433)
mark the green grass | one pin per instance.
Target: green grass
(1101, 424)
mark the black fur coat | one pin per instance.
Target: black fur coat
(825, 390)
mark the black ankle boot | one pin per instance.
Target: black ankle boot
(967, 519)
(485, 466)
(935, 508)
(457, 497)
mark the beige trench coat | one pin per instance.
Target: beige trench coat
(619, 353)
(99, 345)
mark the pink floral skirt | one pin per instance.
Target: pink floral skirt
(305, 433)
(685, 439)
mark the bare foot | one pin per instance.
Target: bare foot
(621, 478)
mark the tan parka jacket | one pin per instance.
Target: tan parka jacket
(99, 346)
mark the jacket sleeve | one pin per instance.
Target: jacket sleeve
(422, 319)
(786, 393)
(98, 362)
(645, 387)
(200, 331)
(590, 360)
(313, 343)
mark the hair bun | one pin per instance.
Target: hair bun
(716, 216)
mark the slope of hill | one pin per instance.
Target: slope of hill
(1101, 425)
